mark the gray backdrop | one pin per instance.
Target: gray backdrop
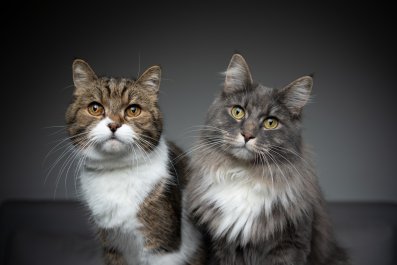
(351, 123)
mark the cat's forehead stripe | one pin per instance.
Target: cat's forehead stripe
(126, 84)
(107, 86)
(122, 91)
(116, 87)
(259, 101)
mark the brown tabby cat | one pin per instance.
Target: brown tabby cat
(128, 179)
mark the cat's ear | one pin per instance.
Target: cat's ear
(297, 94)
(83, 75)
(150, 79)
(238, 75)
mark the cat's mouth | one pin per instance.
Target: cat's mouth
(243, 152)
(245, 146)
(113, 139)
(113, 144)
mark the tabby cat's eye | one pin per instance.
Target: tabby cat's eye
(96, 109)
(133, 110)
(270, 123)
(238, 112)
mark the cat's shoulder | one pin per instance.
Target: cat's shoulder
(174, 150)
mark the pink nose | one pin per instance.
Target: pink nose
(247, 136)
(114, 126)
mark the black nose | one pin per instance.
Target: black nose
(114, 126)
(247, 136)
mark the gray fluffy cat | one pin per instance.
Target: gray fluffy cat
(253, 190)
(129, 180)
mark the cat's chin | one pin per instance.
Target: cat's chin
(242, 153)
(112, 146)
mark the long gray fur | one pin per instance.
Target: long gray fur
(293, 227)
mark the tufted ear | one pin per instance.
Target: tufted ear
(83, 75)
(150, 79)
(297, 94)
(238, 75)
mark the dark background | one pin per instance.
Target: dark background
(351, 124)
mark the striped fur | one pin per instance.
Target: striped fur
(129, 180)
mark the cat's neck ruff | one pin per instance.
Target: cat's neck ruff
(244, 194)
(136, 157)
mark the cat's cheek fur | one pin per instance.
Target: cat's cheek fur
(240, 140)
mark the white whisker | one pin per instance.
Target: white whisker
(283, 157)
(281, 171)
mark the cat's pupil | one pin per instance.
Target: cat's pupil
(133, 109)
(238, 111)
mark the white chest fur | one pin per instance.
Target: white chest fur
(241, 200)
(114, 195)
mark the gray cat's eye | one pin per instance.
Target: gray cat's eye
(237, 112)
(270, 123)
